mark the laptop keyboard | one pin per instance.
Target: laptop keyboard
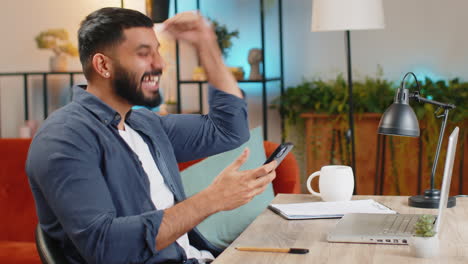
(399, 225)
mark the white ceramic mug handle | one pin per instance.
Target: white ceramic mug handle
(309, 180)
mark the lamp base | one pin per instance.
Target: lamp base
(430, 199)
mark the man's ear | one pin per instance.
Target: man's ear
(102, 65)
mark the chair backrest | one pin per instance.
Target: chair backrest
(48, 249)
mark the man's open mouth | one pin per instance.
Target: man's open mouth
(150, 81)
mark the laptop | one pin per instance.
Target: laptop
(391, 228)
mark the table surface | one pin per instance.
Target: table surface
(271, 230)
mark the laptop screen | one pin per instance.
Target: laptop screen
(449, 160)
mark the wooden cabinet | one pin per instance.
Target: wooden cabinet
(385, 165)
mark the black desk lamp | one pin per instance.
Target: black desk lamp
(400, 120)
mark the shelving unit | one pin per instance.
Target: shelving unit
(25, 75)
(263, 82)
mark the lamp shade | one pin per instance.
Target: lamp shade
(328, 15)
(399, 119)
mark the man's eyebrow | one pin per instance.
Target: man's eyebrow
(143, 46)
(146, 46)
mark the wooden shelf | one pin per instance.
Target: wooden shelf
(240, 81)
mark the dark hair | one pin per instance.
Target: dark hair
(103, 29)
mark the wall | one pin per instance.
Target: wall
(424, 36)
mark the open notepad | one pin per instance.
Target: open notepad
(329, 209)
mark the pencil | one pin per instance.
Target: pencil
(280, 250)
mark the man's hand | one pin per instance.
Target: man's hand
(190, 26)
(233, 188)
(230, 189)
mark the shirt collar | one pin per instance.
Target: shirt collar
(101, 110)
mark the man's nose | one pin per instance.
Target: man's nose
(158, 61)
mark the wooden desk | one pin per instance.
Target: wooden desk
(271, 230)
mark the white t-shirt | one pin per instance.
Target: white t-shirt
(161, 196)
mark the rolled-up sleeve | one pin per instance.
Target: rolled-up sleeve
(67, 170)
(225, 127)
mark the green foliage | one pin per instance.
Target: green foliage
(331, 97)
(372, 95)
(57, 40)
(451, 91)
(425, 226)
(224, 36)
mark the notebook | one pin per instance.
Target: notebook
(315, 210)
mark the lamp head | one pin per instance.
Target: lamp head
(399, 119)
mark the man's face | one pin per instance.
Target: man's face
(138, 67)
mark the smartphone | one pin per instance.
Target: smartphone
(280, 153)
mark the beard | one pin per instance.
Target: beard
(126, 86)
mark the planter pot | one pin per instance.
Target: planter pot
(424, 247)
(58, 63)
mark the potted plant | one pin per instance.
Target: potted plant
(58, 41)
(224, 36)
(425, 242)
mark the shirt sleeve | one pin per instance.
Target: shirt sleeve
(225, 127)
(66, 168)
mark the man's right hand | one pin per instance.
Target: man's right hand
(230, 189)
(233, 188)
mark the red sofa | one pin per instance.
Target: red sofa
(17, 207)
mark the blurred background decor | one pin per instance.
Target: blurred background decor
(58, 41)
(224, 36)
(255, 58)
(157, 10)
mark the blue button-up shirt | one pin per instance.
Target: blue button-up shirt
(91, 192)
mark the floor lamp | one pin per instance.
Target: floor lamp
(334, 15)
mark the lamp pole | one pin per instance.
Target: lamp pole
(350, 135)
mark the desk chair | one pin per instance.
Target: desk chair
(49, 250)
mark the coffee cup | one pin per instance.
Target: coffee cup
(336, 183)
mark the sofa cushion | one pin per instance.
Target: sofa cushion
(222, 228)
(19, 252)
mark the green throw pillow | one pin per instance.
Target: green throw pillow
(222, 228)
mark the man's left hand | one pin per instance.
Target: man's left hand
(191, 27)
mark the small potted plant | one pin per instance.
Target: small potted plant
(224, 36)
(425, 242)
(58, 41)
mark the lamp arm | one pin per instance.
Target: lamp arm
(439, 144)
(447, 108)
(419, 98)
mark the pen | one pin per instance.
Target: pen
(281, 250)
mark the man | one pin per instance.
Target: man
(105, 178)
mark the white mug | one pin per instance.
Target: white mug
(336, 183)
